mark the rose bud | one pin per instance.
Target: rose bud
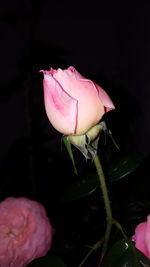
(73, 103)
(142, 237)
(25, 232)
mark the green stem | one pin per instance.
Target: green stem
(94, 248)
(106, 203)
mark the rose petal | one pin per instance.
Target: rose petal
(25, 232)
(90, 109)
(147, 236)
(105, 99)
(88, 101)
(139, 238)
(60, 107)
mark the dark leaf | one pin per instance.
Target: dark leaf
(123, 166)
(87, 186)
(124, 254)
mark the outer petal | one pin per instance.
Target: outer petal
(69, 79)
(139, 238)
(105, 99)
(147, 236)
(90, 108)
(60, 107)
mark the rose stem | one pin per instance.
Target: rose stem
(106, 203)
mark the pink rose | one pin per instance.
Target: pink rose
(73, 103)
(142, 237)
(25, 232)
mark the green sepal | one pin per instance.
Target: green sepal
(69, 149)
(88, 142)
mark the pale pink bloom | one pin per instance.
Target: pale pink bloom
(73, 103)
(142, 237)
(25, 232)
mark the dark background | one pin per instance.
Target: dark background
(104, 40)
(107, 41)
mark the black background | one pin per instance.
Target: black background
(106, 41)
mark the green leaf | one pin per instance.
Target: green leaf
(69, 149)
(47, 261)
(124, 254)
(124, 165)
(85, 187)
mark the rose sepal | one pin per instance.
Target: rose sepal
(88, 142)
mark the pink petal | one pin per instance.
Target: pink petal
(52, 71)
(105, 99)
(71, 68)
(60, 107)
(77, 74)
(25, 232)
(90, 109)
(92, 101)
(147, 236)
(139, 238)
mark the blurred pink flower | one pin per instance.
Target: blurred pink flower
(25, 232)
(73, 103)
(142, 237)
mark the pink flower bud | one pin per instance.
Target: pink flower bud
(25, 232)
(142, 237)
(73, 103)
